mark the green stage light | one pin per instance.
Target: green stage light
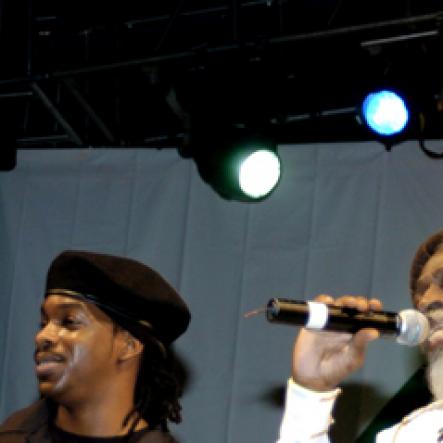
(259, 173)
(238, 166)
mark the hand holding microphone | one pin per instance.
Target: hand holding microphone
(409, 327)
(322, 360)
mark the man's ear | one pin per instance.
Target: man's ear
(129, 346)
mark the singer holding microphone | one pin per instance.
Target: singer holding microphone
(322, 360)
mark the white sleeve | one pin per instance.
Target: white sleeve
(307, 415)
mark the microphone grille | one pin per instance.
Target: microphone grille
(414, 328)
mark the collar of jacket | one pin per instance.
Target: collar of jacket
(31, 421)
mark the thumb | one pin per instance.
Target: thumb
(363, 337)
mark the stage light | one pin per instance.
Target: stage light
(259, 173)
(238, 167)
(385, 112)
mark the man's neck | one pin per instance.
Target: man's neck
(92, 421)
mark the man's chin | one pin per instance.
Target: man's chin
(46, 388)
(49, 389)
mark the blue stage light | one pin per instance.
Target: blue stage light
(385, 112)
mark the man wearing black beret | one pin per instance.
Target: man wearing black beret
(102, 361)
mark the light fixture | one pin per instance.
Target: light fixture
(385, 113)
(236, 163)
(259, 173)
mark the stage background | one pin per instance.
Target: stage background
(346, 219)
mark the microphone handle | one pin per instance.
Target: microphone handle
(313, 315)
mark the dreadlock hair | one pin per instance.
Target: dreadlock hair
(157, 390)
(424, 252)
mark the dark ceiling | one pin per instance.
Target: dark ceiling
(146, 73)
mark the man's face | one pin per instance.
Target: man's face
(75, 356)
(429, 299)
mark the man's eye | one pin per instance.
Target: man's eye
(421, 287)
(70, 322)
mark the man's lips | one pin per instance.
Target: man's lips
(47, 363)
(48, 357)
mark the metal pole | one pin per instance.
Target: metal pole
(15, 94)
(56, 113)
(43, 139)
(225, 48)
(357, 28)
(399, 38)
(88, 109)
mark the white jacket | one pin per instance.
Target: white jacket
(307, 419)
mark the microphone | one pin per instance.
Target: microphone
(410, 327)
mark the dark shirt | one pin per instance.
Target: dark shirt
(60, 436)
(33, 425)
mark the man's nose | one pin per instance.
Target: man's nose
(46, 337)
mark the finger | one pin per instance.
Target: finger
(363, 337)
(358, 302)
(375, 304)
(362, 303)
(324, 298)
(352, 301)
(359, 345)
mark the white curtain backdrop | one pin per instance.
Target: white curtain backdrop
(346, 219)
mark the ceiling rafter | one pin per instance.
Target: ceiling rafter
(265, 59)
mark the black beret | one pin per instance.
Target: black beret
(134, 295)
